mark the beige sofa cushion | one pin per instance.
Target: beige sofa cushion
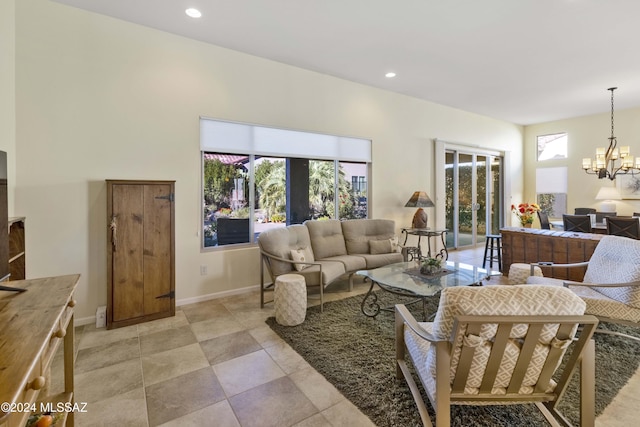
(380, 246)
(326, 238)
(331, 270)
(280, 242)
(501, 301)
(380, 260)
(358, 232)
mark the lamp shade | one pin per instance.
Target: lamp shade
(419, 199)
(608, 193)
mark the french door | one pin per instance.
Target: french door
(474, 195)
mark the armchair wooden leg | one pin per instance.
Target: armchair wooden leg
(400, 345)
(587, 385)
(443, 403)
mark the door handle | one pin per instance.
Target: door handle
(113, 226)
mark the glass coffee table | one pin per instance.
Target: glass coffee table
(405, 279)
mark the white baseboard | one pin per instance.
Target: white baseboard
(216, 295)
(91, 320)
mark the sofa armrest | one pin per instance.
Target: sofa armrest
(290, 261)
(267, 258)
(602, 285)
(554, 265)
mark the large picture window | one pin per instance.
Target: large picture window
(245, 193)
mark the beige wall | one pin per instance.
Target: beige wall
(103, 99)
(585, 134)
(7, 91)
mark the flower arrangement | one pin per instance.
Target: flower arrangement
(525, 212)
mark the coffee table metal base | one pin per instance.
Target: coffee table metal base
(371, 308)
(400, 279)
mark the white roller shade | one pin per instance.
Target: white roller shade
(551, 180)
(229, 137)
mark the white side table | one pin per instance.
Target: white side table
(290, 299)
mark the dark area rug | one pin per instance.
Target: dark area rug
(356, 354)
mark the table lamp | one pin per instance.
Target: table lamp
(419, 200)
(608, 194)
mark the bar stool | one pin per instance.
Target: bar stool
(493, 244)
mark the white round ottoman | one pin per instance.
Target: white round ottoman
(519, 272)
(290, 299)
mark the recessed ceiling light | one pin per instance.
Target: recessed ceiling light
(194, 13)
(390, 75)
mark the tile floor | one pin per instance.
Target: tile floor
(216, 363)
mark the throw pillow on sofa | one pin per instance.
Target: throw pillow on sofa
(394, 244)
(302, 255)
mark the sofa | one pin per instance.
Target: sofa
(324, 250)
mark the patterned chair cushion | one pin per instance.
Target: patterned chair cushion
(601, 305)
(616, 260)
(500, 301)
(598, 304)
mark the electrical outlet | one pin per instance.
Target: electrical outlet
(203, 270)
(101, 317)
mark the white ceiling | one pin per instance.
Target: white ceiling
(524, 61)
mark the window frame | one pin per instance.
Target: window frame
(354, 150)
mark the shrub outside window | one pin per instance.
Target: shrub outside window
(285, 191)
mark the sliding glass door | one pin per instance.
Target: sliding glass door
(474, 194)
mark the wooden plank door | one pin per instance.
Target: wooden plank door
(127, 247)
(141, 251)
(158, 297)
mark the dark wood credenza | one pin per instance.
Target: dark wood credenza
(526, 245)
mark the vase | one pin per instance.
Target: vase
(527, 225)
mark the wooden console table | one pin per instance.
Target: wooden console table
(32, 326)
(526, 245)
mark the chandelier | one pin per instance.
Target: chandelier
(605, 162)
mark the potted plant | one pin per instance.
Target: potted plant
(430, 265)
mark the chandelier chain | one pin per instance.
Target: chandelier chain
(612, 89)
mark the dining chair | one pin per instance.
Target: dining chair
(601, 215)
(583, 211)
(544, 221)
(579, 223)
(625, 227)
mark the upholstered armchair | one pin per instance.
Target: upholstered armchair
(611, 284)
(499, 345)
